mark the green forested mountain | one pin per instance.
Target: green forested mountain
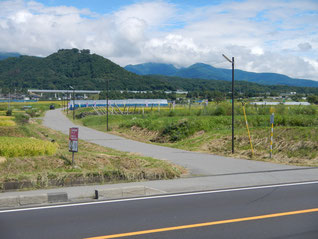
(153, 69)
(83, 70)
(60, 70)
(207, 72)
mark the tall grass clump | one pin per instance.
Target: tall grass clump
(180, 130)
(19, 147)
(22, 118)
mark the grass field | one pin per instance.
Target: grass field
(208, 129)
(30, 152)
(35, 109)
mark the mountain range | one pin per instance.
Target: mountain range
(85, 71)
(208, 72)
(5, 55)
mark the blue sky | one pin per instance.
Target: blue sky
(109, 6)
(98, 6)
(278, 36)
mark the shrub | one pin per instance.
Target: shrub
(172, 113)
(22, 118)
(219, 110)
(9, 112)
(180, 130)
(32, 112)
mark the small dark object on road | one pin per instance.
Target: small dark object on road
(52, 107)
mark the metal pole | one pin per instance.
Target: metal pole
(232, 105)
(67, 103)
(9, 99)
(107, 101)
(232, 61)
(72, 158)
(272, 135)
(73, 104)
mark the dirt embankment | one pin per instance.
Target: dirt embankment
(290, 146)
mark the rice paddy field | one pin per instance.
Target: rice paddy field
(7, 121)
(33, 108)
(32, 156)
(208, 129)
(22, 146)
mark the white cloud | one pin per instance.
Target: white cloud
(153, 13)
(257, 50)
(263, 36)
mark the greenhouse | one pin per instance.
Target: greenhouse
(119, 103)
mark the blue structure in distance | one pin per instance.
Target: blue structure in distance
(119, 103)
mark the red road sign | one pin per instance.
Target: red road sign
(73, 136)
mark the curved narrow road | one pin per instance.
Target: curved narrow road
(199, 164)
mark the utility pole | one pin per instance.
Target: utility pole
(67, 102)
(9, 100)
(73, 102)
(232, 61)
(107, 96)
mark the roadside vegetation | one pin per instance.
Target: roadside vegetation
(208, 129)
(32, 156)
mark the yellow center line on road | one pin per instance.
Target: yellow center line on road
(206, 224)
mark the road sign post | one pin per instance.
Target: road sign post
(73, 141)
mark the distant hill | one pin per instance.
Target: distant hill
(66, 67)
(83, 70)
(153, 69)
(204, 71)
(5, 55)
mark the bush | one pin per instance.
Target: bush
(22, 118)
(9, 112)
(172, 113)
(32, 112)
(219, 110)
(180, 130)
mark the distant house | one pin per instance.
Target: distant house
(288, 94)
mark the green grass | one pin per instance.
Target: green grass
(208, 129)
(33, 109)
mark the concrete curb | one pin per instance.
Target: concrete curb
(26, 200)
(31, 199)
(60, 197)
(12, 201)
(57, 197)
(135, 191)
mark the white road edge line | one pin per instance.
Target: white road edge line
(160, 196)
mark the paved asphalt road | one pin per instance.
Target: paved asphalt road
(113, 217)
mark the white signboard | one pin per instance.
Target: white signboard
(73, 140)
(73, 146)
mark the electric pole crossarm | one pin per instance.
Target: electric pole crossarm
(227, 58)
